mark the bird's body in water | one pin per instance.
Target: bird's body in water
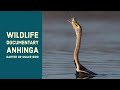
(81, 71)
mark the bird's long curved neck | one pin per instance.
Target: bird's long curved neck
(77, 48)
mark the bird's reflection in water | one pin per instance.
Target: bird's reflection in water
(80, 75)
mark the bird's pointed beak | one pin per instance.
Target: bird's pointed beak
(69, 21)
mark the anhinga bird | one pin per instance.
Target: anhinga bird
(81, 71)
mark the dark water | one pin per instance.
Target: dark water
(100, 49)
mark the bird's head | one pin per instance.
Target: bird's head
(74, 24)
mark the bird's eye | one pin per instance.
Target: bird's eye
(76, 24)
